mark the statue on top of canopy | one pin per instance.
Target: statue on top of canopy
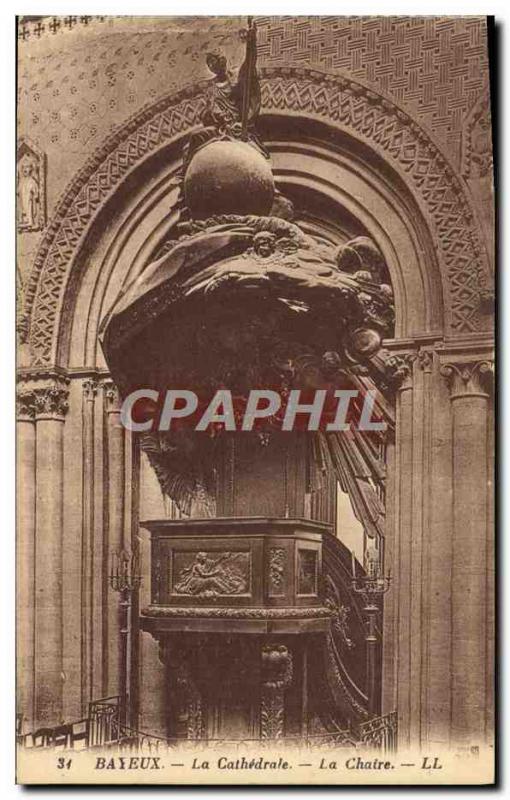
(232, 101)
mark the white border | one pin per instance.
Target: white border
(7, 294)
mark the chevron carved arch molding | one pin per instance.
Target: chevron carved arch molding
(339, 101)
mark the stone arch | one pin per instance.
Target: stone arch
(346, 106)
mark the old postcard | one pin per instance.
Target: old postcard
(255, 270)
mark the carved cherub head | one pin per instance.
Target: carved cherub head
(217, 63)
(264, 244)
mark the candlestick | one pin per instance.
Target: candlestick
(125, 578)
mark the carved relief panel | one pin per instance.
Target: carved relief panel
(266, 563)
(210, 573)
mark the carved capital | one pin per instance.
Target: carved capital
(111, 396)
(425, 360)
(90, 387)
(51, 401)
(25, 405)
(399, 370)
(42, 394)
(469, 378)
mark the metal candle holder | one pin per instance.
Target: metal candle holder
(125, 571)
(125, 578)
(371, 588)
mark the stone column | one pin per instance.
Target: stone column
(116, 499)
(397, 640)
(87, 544)
(469, 382)
(438, 524)
(51, 406)
(25, 553)
(419, 601)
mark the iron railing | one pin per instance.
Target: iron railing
(102, 729)
(99, 729)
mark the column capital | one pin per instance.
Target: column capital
(51, 402)
(25, 404)
(42, 394)
(111, 396)
(90, 387)
(425, 359)
(469, 378)
(398, 368)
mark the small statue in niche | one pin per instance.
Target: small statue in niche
(30, 189)
(28, 194)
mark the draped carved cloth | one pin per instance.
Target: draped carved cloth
(247, 302)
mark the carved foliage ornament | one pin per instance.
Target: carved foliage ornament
(90, 387)
(42, 395)
(276, 677)
(25, 404)
(111, 396)
(51, 401)
(332, 98)
(469, 377)
(276, 570)
(315, 612)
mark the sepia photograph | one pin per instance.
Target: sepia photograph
(255, 400)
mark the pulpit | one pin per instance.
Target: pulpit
(261, 634)
(236, 607)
